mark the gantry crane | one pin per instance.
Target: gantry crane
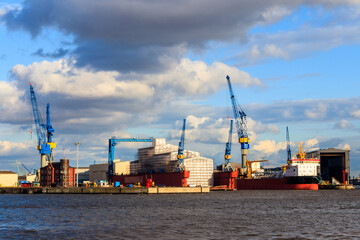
(228, 166)
(240, 120)
(180, 155)
(45, 145)
(112, 144)
(288, 145)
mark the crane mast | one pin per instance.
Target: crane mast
(228, 166)
(49, 132)
(240, 121)
(180, 155)
(288, 145)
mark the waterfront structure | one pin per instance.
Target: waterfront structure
(8, 179)
(58, 174)
(334, 163)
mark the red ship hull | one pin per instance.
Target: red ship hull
(295, 183)
(227, 179)
(172, 179)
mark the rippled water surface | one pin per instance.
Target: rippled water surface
(219, 215)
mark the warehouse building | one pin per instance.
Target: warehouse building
(8, 179)
(333, 163)
(162, 157)
(98, 172)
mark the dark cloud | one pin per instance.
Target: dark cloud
(58, 53)
(128, 35)
(125, 58)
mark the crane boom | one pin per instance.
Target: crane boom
(240, 121)
(228, 148)
(40, 126)
(180, 155)
(288, 145)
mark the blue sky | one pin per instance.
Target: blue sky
(137, 68)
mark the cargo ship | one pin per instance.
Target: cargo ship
(299, 174)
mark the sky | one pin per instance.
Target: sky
(137, 68)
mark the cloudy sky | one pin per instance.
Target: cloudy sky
(137, 68)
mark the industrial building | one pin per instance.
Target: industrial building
(162, 157)
(58, 174)
(8, 179)
(83, 173)
(334, 163)
(98, 172)
(27, 177)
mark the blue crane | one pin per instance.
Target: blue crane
(288, 145)
(112, 144)
(49, 129)
(240, 120)
(45, 145)
(180, 155)
(228, 166)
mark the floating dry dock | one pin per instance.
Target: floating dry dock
(104, 190)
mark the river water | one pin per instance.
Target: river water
(326, 214)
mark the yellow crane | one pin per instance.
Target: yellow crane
(249, 170)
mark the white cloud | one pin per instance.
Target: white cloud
(343, 123)
(301, 42)
(275, 14)
(269, 146)
(344, 146)
(355, 113)
(271, 50)
(210, 130)
(317, 112)
(8, 148)
(311, 145)
(186, 78)
(11, 104)
(192, 121)
(62, 77)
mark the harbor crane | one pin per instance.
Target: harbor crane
(44, 131)
(180, 155)
(288, 145)
(240, 121)
(228, 166)
(112, 143)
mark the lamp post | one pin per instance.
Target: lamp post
(77, 164)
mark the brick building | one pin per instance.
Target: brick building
(58, 174)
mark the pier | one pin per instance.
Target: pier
(104, 190)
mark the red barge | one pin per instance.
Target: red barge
(171, 179)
